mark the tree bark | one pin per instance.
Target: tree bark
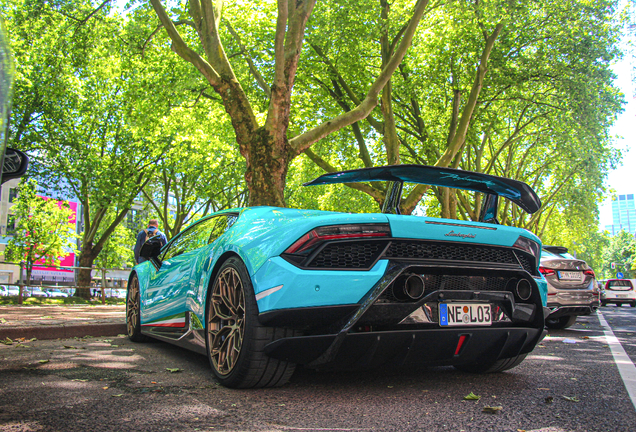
(84, 275)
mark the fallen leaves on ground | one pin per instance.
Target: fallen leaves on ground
(571, 399)
(492, 409)
(472, 396)
(6, 341)
(173, 370)
(549, 399)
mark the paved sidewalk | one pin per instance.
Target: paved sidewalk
(52, 322)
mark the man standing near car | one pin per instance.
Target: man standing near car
(147, 234)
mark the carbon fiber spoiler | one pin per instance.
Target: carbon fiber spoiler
(516, 191)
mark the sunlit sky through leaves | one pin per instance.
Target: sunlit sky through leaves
(623, 179)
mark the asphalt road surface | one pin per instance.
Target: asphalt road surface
(571, 382)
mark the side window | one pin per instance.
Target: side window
(178, 246)
(199, 235)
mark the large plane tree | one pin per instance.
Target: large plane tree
(200, 35)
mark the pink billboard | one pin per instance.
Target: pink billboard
(41, 272)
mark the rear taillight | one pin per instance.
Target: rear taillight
(338, 232)
(546, 271)
(527, 245)
(589, 272)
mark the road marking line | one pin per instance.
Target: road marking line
(625, 366)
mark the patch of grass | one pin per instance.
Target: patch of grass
(46, 301)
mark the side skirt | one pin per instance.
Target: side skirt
(184, 337)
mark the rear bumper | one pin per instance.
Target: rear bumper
(373, 332)
(559, 311)
(434, 347)
(618, 300)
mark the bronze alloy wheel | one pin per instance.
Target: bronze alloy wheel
(226, 324)
(132, 307)
(133, 311)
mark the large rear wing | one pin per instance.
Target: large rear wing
(493, 186)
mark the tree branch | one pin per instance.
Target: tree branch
(257, 75)
(182, 49)
(305, 140)
(376, 194)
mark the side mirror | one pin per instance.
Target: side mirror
(151, 249)
(15, 164)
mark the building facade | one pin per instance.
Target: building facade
(623, 215)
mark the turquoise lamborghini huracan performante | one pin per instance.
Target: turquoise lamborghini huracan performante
(260, 290)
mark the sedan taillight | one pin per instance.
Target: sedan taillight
(546, 271)
(589, 272)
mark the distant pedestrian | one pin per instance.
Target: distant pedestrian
(147, 234)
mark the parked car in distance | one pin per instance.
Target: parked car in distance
(619, 291)
(572, 289)
(34, 291)
(55, 292)
(9, 290)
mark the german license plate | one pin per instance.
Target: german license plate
(622, 295)
(569, 275)
(464, 314)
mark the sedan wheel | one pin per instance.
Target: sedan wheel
(235, 340)
(133, 311)
(561, 322)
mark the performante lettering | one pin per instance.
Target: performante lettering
(454, 234)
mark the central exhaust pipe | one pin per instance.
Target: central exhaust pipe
(409, 287)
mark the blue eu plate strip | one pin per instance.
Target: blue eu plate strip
(443, 314)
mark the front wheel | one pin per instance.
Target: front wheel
(133, 311)
(561, 322)
(235, 340)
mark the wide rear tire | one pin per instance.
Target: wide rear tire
(561, 322)
(133, 311)
(235, 340)
(492, 367)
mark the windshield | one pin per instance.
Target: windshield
(619, 284)
(548, 254)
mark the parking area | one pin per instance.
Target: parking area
(569, 383)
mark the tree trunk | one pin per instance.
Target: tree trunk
(267, 168)
(83, 281)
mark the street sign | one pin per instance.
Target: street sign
(619, 275)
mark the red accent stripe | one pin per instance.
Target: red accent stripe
(462, 338)
(165, 325)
